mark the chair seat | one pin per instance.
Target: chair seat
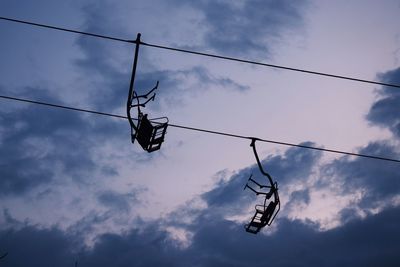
(150, 136)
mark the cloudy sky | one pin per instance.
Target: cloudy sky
(74, 189)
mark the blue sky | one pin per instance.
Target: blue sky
(73, 187)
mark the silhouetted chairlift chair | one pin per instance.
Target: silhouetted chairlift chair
(150, 133)
(264, 214)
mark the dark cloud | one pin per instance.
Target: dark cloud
(248, 27)
(372, 241)
(294, 165)
(385, 111)
(378, 180)
(38, 144)
(105, 65)
(111, 83)
(205, 77)
(31, 246)
(349, 214)
(118, 201)
(228, 197)
(175, 85)
(148, 247)
(217, 242)
(91, 222)
(300, 196)
(107, 69)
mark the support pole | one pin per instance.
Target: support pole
(131, 86)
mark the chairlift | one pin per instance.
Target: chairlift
(150, 133)
(264, 213)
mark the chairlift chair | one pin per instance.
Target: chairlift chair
(264, 214)
(149, 133)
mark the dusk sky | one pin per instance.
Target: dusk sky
(73, 188)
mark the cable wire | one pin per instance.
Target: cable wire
(204, 130)
(67, 30)
(205, 54)
(271, 65)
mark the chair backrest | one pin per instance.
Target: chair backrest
(145, 130)
(269, 211)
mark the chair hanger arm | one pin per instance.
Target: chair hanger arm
(148, 93)
(253, 144)
(144, 104)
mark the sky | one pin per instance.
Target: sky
(73, 189)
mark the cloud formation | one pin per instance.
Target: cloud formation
(377, 181)
(384, 112)
(248, 27)
(63, 145)
(372, 241)
(35, 146)
(374, 184)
